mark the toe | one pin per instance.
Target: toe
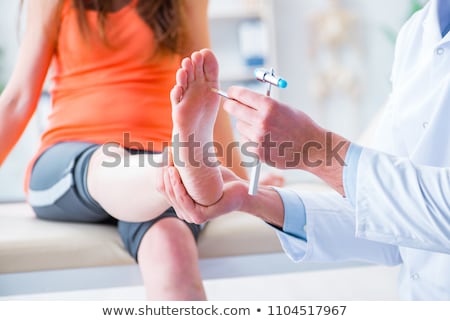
(176, 94)
(187, 66)
(197, 61)
(210, 65)
(182, 78)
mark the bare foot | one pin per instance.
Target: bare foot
(194, 111)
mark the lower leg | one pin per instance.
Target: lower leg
(168, 259)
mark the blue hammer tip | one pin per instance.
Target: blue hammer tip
(282, 83)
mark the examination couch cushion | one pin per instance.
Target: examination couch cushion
(29, 244)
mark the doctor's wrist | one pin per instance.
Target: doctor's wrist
(326, 158)
(266, 205)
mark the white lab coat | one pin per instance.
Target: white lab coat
(401, 212)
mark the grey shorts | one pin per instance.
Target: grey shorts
(58, 191)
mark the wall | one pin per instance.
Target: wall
(294, 63)
(9, 39)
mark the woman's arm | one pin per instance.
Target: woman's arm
(21, 95)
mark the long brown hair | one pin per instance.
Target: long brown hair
(164, 17)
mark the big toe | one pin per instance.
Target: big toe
(210, 65)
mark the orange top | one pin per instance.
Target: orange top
(103, 93)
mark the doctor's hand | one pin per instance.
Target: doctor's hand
(272, 179)
(273, 131)
(234, 194)
(286, 138)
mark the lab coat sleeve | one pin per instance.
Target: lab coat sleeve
(398, 202)
(330, 232)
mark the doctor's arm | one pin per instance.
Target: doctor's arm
(395, 201)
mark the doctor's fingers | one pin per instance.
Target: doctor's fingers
(240, 111)
(167, 154)
(177, 195)
(165, 187)
(247, 105)
(264, 118)
(252, 133)
(250, 98)
(186, 208)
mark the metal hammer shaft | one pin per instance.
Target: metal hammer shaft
(267, 76)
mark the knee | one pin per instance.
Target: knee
(170, 237)
(171, 230)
